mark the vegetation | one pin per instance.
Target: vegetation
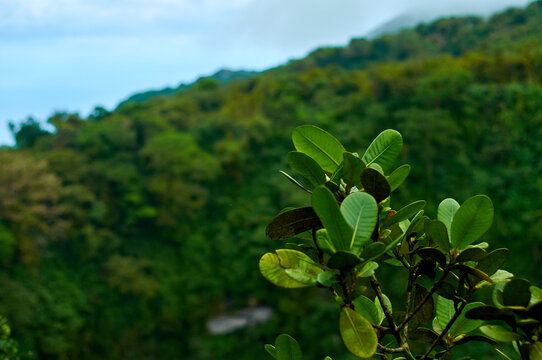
(122, 234)
(350, 231)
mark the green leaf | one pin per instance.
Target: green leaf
(357, 333)
(324, 242)
(491, 313)
(292, 222)
(381, 314)
(473, 271)
(287, 348)
(320, 145)
(446, 290)
(384, 149)
(352, 168)
(425, 314)
(360, 212)
(499, 333)
(493, 261)
(471, 254)
(516, 292)
(375, 184)
(273, 267)
(473, 218)
(445, 311)
(271, 350)
(367, 269)
(398, 176)
(343, 260)
(446, 212)
(327, 278)
(325, 206)
(423, 334)
(498, 277)
(366, 308)
(373, 250)
(295, 182)
(463, 325)
(439, 234)
(307, 167)
(406, 212)
(535, 351)
(536, 294)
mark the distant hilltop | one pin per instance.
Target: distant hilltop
(223, 75)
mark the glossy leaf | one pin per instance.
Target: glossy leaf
(464, 325)
(439, 234)
(294, 181)
(360, 212)
(398, 176)
(292, 222)
(499, 333)
(473, 218)
(306, 167)
(516, 292)
(373, 250)
(473, 271)
(446, 212)
(405, 213)
(327, 278)
(493, 261)
(325, 206)
(387, 302)
(366, 308)
(287, 348)
(384, 149)
(271, 350)
(324, 242)
(352, 168)
(367, 269)
(471, 254)
(273, 267)
(320, 145)
(445, 311)
(375, 184)
(357, 333)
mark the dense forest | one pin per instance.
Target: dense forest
(123, 233)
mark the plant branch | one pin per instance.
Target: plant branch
(391, 350)
(424, 300)
(449, 325)
(376, 286)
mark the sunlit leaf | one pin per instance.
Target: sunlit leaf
(273, 267)
(473, 218)
(327, 278)
(499, 333)
(384, 149)
(360, 212)
(446, 211)
(324, 242)
(366, 308)
(367, 269)
(320, 145)
(326, 207)
(404, 213)
(387, 302)
(357, 333)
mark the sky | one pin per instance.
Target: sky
(73, 55)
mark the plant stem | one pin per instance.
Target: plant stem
(424, 300)
(449, 325)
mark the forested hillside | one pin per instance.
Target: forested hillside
(123, 233)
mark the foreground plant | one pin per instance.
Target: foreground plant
(351, 229)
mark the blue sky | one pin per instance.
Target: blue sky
(72, 55)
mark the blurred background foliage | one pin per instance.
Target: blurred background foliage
(122, 234)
